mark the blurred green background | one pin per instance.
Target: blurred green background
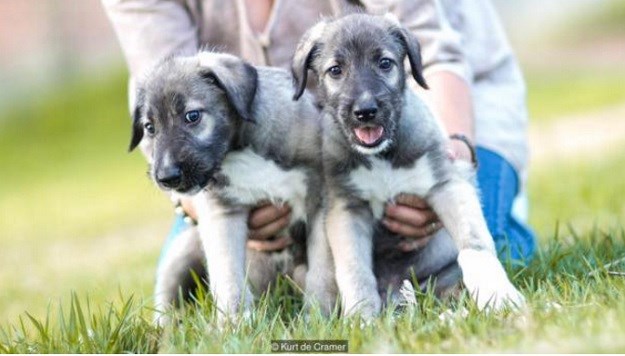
(77, 212)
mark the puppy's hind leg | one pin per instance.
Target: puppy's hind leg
(350, 233)
(457, 205)
(174, 274)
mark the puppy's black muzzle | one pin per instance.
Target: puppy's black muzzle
(169, 177)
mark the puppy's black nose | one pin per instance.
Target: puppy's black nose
(169, 177)
(365, 114)
(365, 107)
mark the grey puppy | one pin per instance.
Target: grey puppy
(228, 134)
(380, 140)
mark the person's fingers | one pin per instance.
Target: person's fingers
(279, 243)
(267, 214)
(411, 200)
(409, 230)
(413, 244)
(400, 228)
(417, 218)
(269, 230)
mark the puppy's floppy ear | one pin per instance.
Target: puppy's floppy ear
(137, 128)
(235, 77)
(307, 48)
(413, 51)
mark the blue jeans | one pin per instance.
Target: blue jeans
(178, 226)
(499, 184)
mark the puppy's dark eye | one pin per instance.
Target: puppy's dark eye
(192, 117)
(385, 64)
(335, 71)
(149, 128)
(209, 78)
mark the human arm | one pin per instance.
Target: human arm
(149, 31)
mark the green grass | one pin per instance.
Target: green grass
(608, 19)
(582, 71)
(66, 162)
(552, 94)
(82, 329)
(584, 194)
(605, 20)
(575, 305)
(76, 210)
(79, 214)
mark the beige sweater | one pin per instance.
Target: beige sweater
(460, 36)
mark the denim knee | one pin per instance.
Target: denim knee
(178, 226)
(499, 186)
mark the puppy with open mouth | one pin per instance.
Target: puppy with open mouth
(229, 135)
(379, 141)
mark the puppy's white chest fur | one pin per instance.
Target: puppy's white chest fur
(252, 178)
(382, 182)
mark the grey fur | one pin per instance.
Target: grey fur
(246, 116)
(411, 147)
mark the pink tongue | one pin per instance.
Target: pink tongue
(369, 135)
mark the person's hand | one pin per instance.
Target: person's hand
(411, 217)
(265, 222)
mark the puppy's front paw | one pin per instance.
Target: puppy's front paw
(487, 282)
(321, 293)
(161, 319)
(324, 302)
(234, 308)
(367, 307)
(225, 321)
